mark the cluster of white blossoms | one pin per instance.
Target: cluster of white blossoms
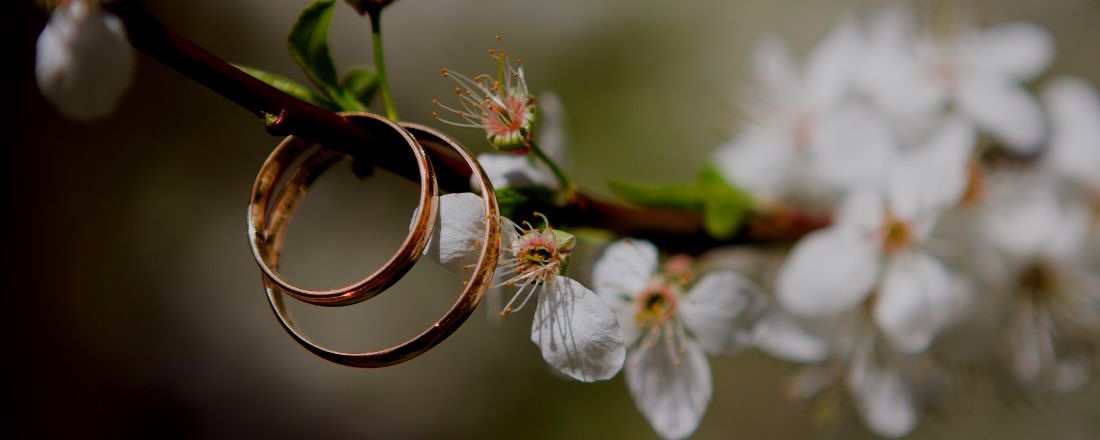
(959, 200)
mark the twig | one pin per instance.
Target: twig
(675, 230)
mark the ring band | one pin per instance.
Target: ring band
(277, 165)
(473, 291)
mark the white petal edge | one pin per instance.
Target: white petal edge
(916, 301)
(512, 171)
(826, 273)
(1074, 150)
(672, 397)
(759, 160)
(781, 336)
(1019, 50)
(934, 175)
(882, 398)
(576, 332)
(720, 311)
(830, 68)
(459, 230)
(621, 273)
(1004, 109)
(852, 150)
(554, 132)
(774, 66)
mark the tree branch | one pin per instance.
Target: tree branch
(675, 230)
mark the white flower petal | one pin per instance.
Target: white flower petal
(459, 230)
(1030, 344)
(1074, 150)
(774, 66)
(577, 333)
(1069, 241)
(882, 398)
(672, 395)
(862, 213)
(916, 300)
(827, 272)
(84, 60)
(1021, 216)
(758, 160)
(934, 175)
(782, 336)
(621, 273)
(1020, 50)
(720, 311)
(511, 171)
(891, 72)
(831, 65)
(853, 149)
(1004, 108)
(553, 132)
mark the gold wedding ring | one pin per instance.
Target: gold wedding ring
(267, 228)
(279, 162)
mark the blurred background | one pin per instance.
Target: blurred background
(136, 308)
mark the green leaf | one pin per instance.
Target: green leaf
(290, 87)
(722, 216)
(308, 44)
(361, 83)
(723, 206)
(675, 196)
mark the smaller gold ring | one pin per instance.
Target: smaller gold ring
(468, 300)
(277, 165)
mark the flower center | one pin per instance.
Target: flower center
(1039, 280)
(536, 257)
(896, 235)
(657, 305)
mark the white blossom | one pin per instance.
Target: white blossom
(669, 331)
(500, 105)
(1042, 237)
(84, 60)
(874, 251)
(511, 170)
(803, 136)
(843, 359)
(577, 333)
(974, 71)
(1073, 152)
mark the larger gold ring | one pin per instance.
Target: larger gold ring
(277, 165)
(469, 299)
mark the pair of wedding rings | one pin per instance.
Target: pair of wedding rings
(269, 212)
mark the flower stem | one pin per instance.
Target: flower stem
(380, 62)
(566, 185)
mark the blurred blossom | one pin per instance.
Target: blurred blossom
(847, 366)
(974, 71)
(509, 170)
(1042, 237)
(84, 60)
(796, 116)
(1074, 148)
(576, 332)
(872, 257)
(669, 328)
